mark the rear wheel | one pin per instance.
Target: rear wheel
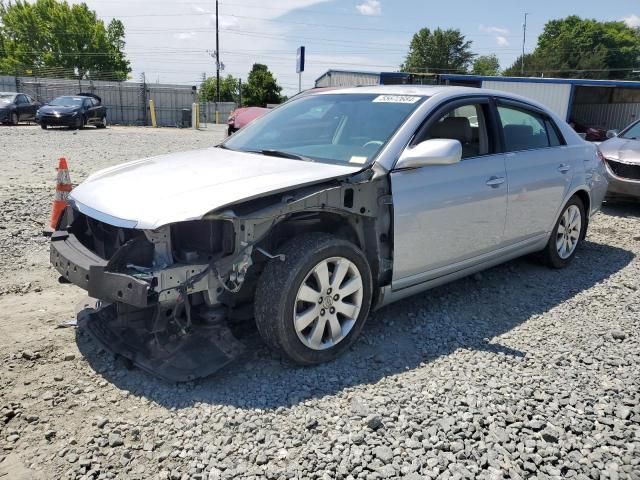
(43, 126)
(566, 235)
(312, 306)
(103, 122)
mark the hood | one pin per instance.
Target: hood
(620, 149)
(149, 193)
(58, 109)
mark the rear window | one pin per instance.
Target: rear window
(526, 130)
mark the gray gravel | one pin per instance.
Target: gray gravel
(519, 372)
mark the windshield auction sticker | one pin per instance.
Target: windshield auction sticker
(396, 99)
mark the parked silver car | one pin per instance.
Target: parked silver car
(335, 203)
(622, 154)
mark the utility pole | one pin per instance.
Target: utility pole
(239, 92)
(524, 40)
(217, 58)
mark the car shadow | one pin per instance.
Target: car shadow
(623, 209)
(466, 314)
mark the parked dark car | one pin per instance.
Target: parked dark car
(17, 107)
(74, 111)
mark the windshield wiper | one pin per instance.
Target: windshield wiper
(281, 154)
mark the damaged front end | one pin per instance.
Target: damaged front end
(171, 299)
(159, 291)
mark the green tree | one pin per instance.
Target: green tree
(229, 89)
(50, 37)
(587, 48)
(486, 65)
(261, 87)
(440, 51)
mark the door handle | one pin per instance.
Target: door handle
(564, 168)
(495, 182)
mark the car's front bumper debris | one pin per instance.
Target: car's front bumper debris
(171, 355)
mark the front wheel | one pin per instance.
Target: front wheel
(13, 119)
(312, 306)
(79, 123)
(566, 235)
(43, 126)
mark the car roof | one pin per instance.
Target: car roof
(441, 91)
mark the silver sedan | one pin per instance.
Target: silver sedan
(622, 154)
(333, 204)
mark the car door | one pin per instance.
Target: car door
(22, 107)
(539, 170)
(32, 108)
(446, 216)
(89, 110)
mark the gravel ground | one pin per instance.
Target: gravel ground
(518, 372)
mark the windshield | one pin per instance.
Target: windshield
(67, 102)
(632, 133)
(6, 98)
(334, 128)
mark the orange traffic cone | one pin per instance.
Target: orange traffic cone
(63, 187)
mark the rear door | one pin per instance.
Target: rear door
(90, 110)
(32, 107)
(22, 107)
(539, 169)
(446, 216)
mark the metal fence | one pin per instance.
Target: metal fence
(127, 102)
(606, 115)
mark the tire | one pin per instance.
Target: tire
(80, 123)
(43, 126)
(230, 131)
(103, 123)
(13, 119)
(562, 248)
(280, 286)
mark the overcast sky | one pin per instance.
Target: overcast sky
(169, 40)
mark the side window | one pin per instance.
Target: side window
(524, 129)
(555, 140)
(467, 124)
(21, 100)
(88, 103)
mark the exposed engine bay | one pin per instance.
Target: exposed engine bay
(169, 298)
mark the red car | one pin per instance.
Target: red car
(243, 116)
(591, 134)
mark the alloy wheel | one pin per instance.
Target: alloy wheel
(328, 303)
(568, 233)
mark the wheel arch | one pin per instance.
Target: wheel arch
(585, 198)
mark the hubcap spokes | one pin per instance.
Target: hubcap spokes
(328, 303)
(568, 232)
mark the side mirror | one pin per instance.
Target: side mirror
(437, 151)
(612, 133)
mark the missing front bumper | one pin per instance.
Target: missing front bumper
(85, 269)
(208, 346)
